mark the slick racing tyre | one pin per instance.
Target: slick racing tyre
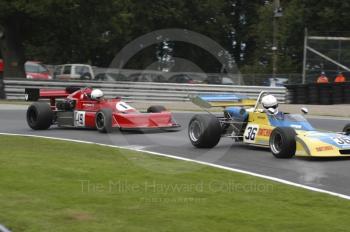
(39, 116)
(204, 131)
(346, 129)
(156, 109)
(282, 142)
(103, 121)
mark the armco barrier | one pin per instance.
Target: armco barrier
(142, 90)
(319, 94)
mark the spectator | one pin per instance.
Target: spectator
(1, 67)
(322, 78)
(2, 87)
(340, 78)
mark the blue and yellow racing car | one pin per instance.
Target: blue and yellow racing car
(251, 122)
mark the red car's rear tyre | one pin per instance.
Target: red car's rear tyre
(282, 142)
(39, 116)
(103, 120)
(204, 131)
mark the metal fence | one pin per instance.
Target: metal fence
(254, 79)
(142, 90)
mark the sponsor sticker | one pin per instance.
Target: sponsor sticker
(324, 148)
(296, 126)
(88, 105)
(264, 132)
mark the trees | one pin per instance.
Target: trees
(15, 23)
(88, 31)
(325, 17)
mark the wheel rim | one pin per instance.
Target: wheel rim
(195, 131)
(277, 143)
(100, 121)
(32, 116)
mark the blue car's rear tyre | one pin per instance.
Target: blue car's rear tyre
(204, 131)
(282, 142)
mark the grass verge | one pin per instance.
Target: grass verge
(49, 185)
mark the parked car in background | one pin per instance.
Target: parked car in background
(159, 78)
(147, 77)
(218, 80)
(140, 77)
(111, 77)
(276, 82)
(181, 78)
(36, 71)
(73, 72)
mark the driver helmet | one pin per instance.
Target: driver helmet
(96, 94)
(269, 101)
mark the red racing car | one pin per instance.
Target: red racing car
(87, 108)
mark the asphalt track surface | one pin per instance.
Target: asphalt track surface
(327, 174)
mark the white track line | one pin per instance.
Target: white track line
(347, 197)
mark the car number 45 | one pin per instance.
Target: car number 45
(79, 119)
(250, 133)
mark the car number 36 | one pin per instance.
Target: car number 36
(250, 132)
(342, 140)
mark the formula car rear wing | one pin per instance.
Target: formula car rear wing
(34, 94)
(221, 100)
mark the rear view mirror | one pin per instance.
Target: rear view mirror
(271, 110)
(304, 110)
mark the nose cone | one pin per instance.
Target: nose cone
(145, 120)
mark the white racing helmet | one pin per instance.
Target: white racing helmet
(269, 101)
(96, 94)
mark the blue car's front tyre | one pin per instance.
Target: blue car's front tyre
(282, 142)
(204, 131)
(346, 129)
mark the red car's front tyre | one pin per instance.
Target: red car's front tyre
(103, 120)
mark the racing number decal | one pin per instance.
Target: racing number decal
(80, 118)
(250, 133)
(122, 107)
(342, 140)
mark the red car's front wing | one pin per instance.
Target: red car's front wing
(144, 120)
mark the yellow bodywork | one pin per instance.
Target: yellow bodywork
(206, 104)
(306, 145)
(259, 129)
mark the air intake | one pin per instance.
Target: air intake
(345, 152)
